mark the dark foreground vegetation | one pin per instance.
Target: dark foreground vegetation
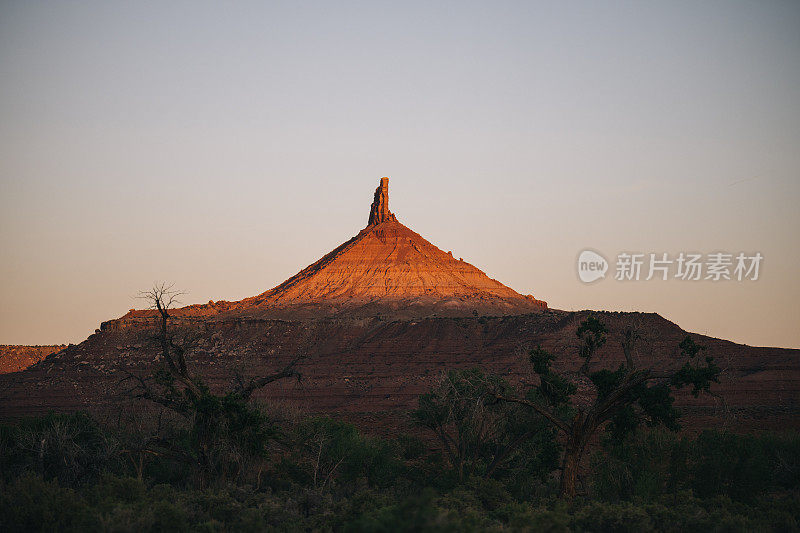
(595, 450)
(293, 473)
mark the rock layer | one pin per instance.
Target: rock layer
(387, 261)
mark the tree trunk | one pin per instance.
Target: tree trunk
(573, 452)
(569, 472)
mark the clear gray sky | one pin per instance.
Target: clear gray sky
(224, 146)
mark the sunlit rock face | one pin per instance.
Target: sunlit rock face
(387, 269)
(379, 212)
(388, 262)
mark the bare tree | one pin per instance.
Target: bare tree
(213, 418)
(162, 298)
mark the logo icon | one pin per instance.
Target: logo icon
(591, 266)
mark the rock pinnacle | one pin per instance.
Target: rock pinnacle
(379, 211)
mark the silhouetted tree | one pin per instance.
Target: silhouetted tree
(619, 400)
(217, 423)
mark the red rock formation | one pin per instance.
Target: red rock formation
(379, 212)
(386, 269)
(372, 369)
(15, 357)
(335, 312)
(387, 262)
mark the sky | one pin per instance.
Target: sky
(222, 147)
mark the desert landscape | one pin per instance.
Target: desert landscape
(376, 321)
(399, 267)
(368, 331)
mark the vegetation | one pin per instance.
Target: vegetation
(223, 429)
(486, 457)
(70, 473)
(618, 400)
(482, 436)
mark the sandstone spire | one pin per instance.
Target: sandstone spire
(379, 212)
(387, 269)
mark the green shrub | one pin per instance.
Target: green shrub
(643, 466)
(334, 450)
(330, 477)
(416, 513)
(625, 517)
(739, 466)
(30, 503)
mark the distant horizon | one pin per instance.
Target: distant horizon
(225, 148)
